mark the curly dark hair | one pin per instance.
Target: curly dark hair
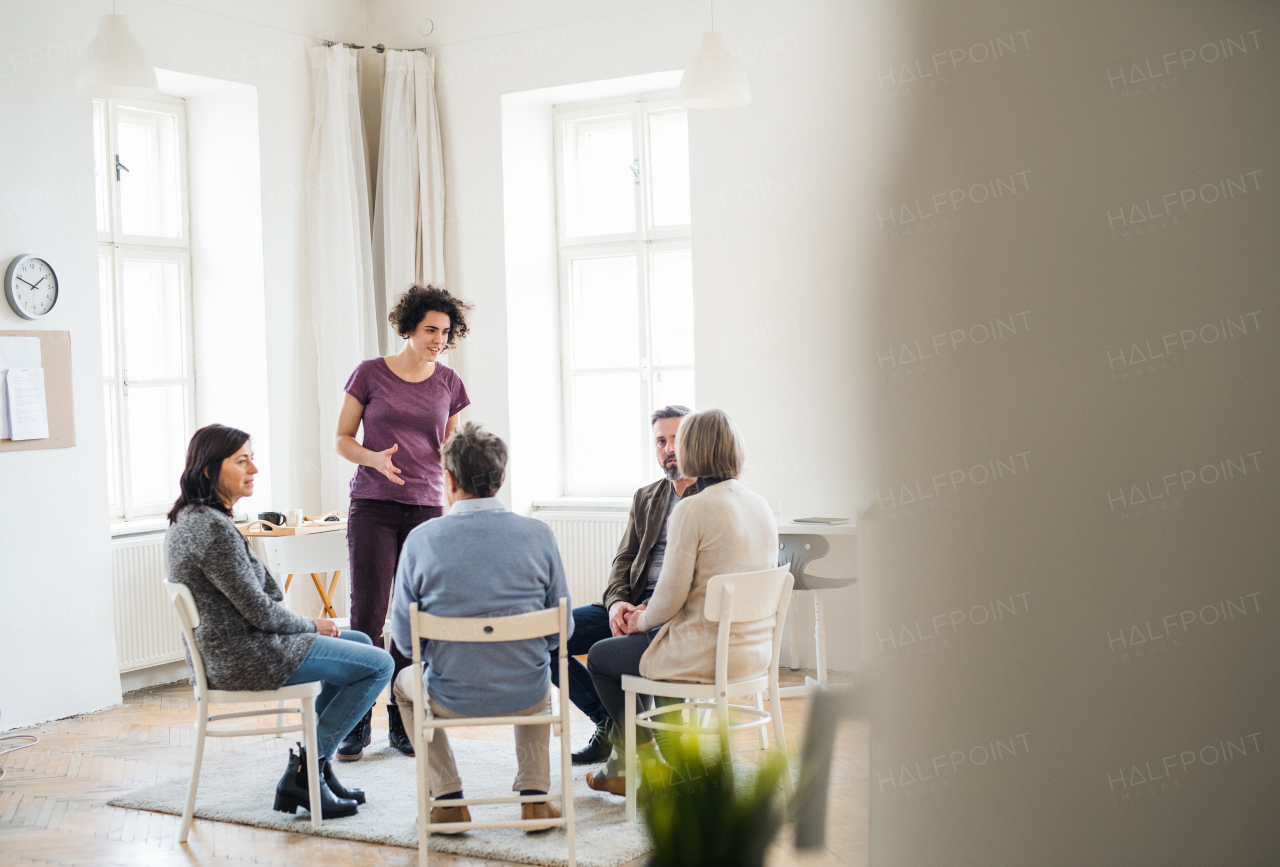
(420, 300)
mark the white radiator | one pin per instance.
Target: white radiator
(146, 627)
(588, 542)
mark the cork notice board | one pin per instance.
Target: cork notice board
(55, 358)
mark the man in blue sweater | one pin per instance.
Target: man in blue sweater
(480, 560)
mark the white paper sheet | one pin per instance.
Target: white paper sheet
(14, 352)
(28, 413)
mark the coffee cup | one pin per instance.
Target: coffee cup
(292, 517)
(274, 517)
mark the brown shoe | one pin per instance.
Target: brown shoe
(440, 815)
(538, 811)
(613, 785)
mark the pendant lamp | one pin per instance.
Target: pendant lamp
(713, 78)
(116, 68)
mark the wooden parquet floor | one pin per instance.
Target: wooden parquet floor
(53, 797)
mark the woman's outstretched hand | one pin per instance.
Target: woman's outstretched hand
(327, 627)
(387, 468)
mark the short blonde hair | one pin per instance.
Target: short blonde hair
(708, 444)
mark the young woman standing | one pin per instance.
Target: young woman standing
(409, 404)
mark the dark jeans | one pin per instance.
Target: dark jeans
(353, 673)
(590, 625)
(608, 661)
(376, 530)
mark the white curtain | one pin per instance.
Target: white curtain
(431, 172)
(408, 219)
(343, 313)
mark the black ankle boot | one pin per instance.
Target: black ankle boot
(598, 748)
(291, 791)
(352, 746)
(339, 790)
(396, 734)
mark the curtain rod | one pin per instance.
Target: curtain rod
(380, 48)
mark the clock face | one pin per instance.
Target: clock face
(32, 287)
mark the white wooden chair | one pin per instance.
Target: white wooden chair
(797, 551)
(189, 618)
(739, 597)
(518, 627)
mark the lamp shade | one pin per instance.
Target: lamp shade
(713, 78)
(116, 68)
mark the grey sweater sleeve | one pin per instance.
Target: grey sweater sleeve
(405, 600)
(225, 561)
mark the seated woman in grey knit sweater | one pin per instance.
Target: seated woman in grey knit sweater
(248, 640)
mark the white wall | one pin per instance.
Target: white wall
(770, 182)
(228, 292)
(261, 45)
(57, 642)
(532, 293)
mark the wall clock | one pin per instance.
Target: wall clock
(30, 286)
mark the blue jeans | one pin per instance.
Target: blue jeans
(353, 672)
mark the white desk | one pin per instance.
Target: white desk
(787, 526)
(312, 554)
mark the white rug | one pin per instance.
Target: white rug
(242, 792)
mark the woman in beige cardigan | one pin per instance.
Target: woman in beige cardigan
(724, 528)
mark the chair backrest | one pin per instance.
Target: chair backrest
(755, 595)
(184, 605)
(513, 627)
(798, 551)
(742, 597)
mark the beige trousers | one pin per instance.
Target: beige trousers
(533, 759)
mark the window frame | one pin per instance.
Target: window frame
(159, 105)
(642, 243)
(119, 247)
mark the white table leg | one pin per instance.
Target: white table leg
(794, 644)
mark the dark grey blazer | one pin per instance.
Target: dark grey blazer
(247, 638)
(629, 573)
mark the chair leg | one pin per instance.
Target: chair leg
(779, 735)
(420, 747)
(629, 765)
(188, 812)
(313, 759)
(566, 767)
(764, 735)
(279, 718)
(722, 714)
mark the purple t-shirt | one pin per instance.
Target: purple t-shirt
(412, 415)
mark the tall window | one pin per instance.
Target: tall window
(626, 285)
(144, 279)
